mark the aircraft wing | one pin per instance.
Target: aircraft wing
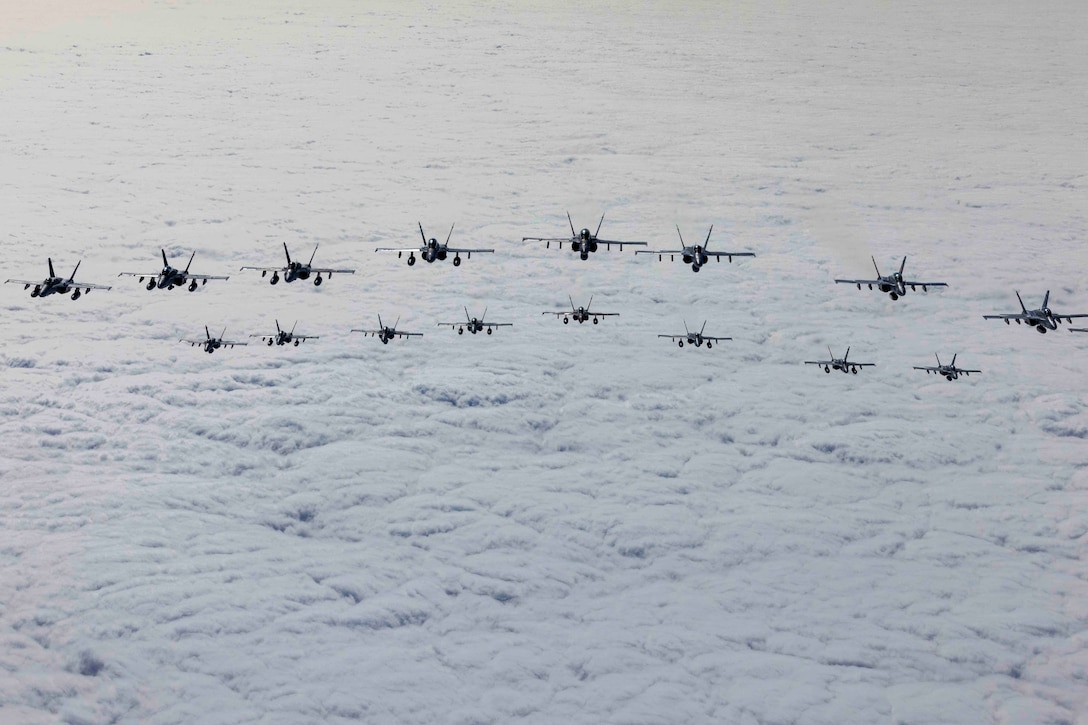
(819, 362)
(231, 343)
(675, 337)
(715, 339)
(88, 285)
(368, 332)
(591, 313)
(194, 275)
(468, 251)
(139, 274)
(913, 283)
(497, 324)
(399, 249)
(851, 363)
(961, 370)
(548, 312)
(24, 281)
(931, 369)
(305, 337)
(1067, 317)
(1010, 316)
(265, 269)
(621, 245)
(719, 255)
(323, 270)
(858, 281)
(659, 251)
(548, 239)
(192, 342)
(398, 333)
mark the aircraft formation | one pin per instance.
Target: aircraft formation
(583, 243)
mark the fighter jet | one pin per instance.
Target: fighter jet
(696, 255)
(298, 270)
(949, 371)
(385, 334)
(583, 242)
(1042, 319)
(211, 344)
(836, 363)
(432, 250)
(893, 283)
(58, 285)
(169, 278)
(474, 325)
(284, 337)
(580, 314)
(695, 338)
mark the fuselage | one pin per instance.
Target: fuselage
(53, 285)
(584, 244)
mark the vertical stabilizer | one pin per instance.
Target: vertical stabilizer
(312, 256)
(52, 274)
(598, 227)
(876, 267)
(287, 253)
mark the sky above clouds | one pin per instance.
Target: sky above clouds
(554, 522)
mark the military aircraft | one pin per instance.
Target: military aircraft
(1042, 319)
(432, 250)
(696, 255)
(949, 371)
(385, 334)
(842, 363)
(474, 325)
(583, 242)
(695, 338)
(58, 285)
(169, 278)
(893, 283)
(211, 344)
(298, 270)
(580, 314)
(284, 337)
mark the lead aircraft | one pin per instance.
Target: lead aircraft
(53, 284)
(1041, 319)
(431, 250)
(284, 337)
(584, 242)
(839, 363)
(695, 338)
(297, 270)
(169, 278)
(474, 325)
(893, 283)
(580, 314)
(949, 371)
(385, 334)
(696, 255)
(211, 344)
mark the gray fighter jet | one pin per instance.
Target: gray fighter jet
(431, 250)
(474, 325)
(211, 344)
(696, 255)
(837, 363)
(584, 242)
(285, 337)
(1042, 319)
(949, 371)
(893, 284)
(169, 278)
(297, 270)
(580, 314)
(695, 338)
(53, 284)
(385, 334)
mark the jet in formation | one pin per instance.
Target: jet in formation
(297, 270)
(893, 284)
(58, 285)
(431, 250)
(385, 334)
(580, 314)
(584, 243)
(949, 371)
(696, 255)
(211, 344)
(169, 278)
(285, 337)
(839, 363)
(1042, 319)
(695, 338)
(474, 325)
